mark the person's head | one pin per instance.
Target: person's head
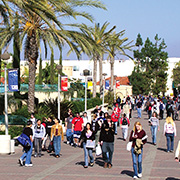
(29, 123)
(38, 122)
(69, 110)
(124, 115)
(108, 118)
(101, 114)
(137, 126)
(44, 119)
(56, 121)
(50, 119)
(32, 115)
(116, 104)
(88, 126)
(71, 115)
(97, 107)
(77, 114)
(169, 120)
(106, 114)
(94, 116)
(154, 114)
(85, 114)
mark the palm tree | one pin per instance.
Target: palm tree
(115, 46)
(39, 21)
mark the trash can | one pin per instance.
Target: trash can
(12, 146)
(5, 144)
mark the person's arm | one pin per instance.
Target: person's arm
(62, 133)
(52, 133)
(44, 132)
(31, 138)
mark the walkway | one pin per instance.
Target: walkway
(157, 163)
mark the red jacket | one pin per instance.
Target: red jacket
(114, 117)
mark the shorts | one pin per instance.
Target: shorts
(77, 134)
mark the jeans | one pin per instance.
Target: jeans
(108, 147)
(37, 145)
(69, 135)
(139, 112)
(125, 132)
(57, 144)
(137, 158)
(153, 133)
(27, 154)
(115, 123)
(149, 114)
(170, 139)
(87, 151)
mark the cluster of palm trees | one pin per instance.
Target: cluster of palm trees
(31, 24)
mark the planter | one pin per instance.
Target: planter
(5, 144)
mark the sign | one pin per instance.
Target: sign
(117, 84)
(90, 84)
(64, 83)
(107, 84)
(13, 79)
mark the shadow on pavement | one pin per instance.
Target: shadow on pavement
(127, 172)
(119, 138)
(162, 149)
(99, 161)
(172, 178)
(81, 163)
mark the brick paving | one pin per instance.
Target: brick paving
(157, 163)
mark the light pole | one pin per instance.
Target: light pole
(86, 73)
(115, 87)
(59, 67)
(5, 56)
(104, 74)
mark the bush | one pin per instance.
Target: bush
(23, 111)
(14, 131)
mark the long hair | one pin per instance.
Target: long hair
(169, 120)
(137, 123)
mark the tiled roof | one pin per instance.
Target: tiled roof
(123, 80)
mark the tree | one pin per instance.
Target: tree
(176, 75)
(150, 72)
(39, 21)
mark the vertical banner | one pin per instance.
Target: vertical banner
(13, 79)
(107, 84)
(64, 83)
(90, 84)
(117, 84)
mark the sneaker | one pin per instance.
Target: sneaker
(67, 142)
(35, 155)
(21, 162)
(91, 164)
(72, 144)
(135, 177)
(28, 165)
(171, 151)
(140, 175)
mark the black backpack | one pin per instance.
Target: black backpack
(124, 121)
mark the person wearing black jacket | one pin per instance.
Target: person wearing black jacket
(87, 141)
(107, 141)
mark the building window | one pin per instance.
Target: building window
(75, 68)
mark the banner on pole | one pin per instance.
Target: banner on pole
(117, 84)
(13, 79)
(64, 83)
(107, 84)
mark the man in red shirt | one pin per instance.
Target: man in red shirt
(77, 127)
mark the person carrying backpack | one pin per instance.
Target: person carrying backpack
(124, 124)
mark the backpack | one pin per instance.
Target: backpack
(149, 108)
(161, 106)
(24, 140)
(124, 121)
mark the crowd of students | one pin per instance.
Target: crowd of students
(82, 131)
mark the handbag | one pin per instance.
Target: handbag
(98, 150)
(129, 146)
(90, 144)
(24, 140)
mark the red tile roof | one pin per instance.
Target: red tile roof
(123, 80)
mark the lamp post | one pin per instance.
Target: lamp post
(86, 73)
(59, 67)
(5, 56)
(115, 87)
(104, 74)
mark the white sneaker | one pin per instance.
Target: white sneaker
(135, 177)
(28, 165)
(21, 162)
(67, 142)
(140, 175)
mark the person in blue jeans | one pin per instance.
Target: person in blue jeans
(170, 132)
(68, 126)
(27, 151)
(139, 105)
(87, 140)
(138, 138)
(154, 122)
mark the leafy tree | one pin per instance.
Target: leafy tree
(150, 72)
(176, 75)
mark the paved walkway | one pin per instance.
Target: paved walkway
(157, 163)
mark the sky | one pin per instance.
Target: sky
(147, 17)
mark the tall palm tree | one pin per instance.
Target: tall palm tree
(116, 45)
(40, 21)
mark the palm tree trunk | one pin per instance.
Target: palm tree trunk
(52, 68)
(40, 71)
(60, 61)
(32, 55)
(100, 70)
(112, 72)
(94, 75)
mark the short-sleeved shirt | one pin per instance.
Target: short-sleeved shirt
(69, 122)
(28, 131)
(77, 123)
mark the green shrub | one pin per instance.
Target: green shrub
(23, 111)
(14, 131)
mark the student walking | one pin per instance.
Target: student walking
(124, 124)
(68, 126)
(170, 133)
(87, 139)
(27, 151)
(57, 135)
(138, 138)
(154, 123)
